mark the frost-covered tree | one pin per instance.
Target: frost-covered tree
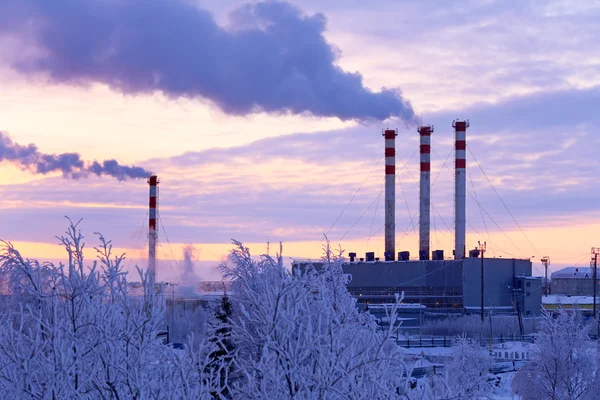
(466, 375)
(564, 363)
(299, 335)
(76, 333)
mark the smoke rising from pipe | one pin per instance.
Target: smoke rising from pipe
(269, 58)
(187, 272)
(71, 165)
(188, 280)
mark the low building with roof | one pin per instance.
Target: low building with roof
(555, 302)
(574, 281)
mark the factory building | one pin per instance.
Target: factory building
(574, 281)
(440, 285)
(446, 286)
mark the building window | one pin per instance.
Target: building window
(528, 284)
(527, 312)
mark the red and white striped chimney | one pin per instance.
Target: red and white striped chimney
(390, 193)
(152, 228)
(425, 132)
(460, 193)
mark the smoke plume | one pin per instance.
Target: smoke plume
(70, 164)
(270, 57)
(187, 275)
(188, 280)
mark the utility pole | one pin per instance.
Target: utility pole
(546, 262)
(595, 252)
(482, 248)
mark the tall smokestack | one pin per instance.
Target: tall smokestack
(390, 193)
(460, 191)
(152, 228)
(425, 192)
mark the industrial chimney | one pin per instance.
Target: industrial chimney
(390, 193)
(460, 191)
(152, 228)
(425, 192)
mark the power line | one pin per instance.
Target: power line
(348, 204)
(495, 223)
(368, 208)
(375, 214)
(437, 241)
(166, 258)
(442, 218)
(407, 228)
(168, 241)
(137, 242)
(481, 208)
(443, 165)
(353, 196)
(504, 204)
(359, 218)
(407, 207)
(480, 211)
(568, 258)
(432, 185)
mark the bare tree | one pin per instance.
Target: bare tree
(564, 363)
(467, 374)
(299, 335)
(78, 333)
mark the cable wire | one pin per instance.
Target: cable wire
(354, 195)
(503, 203)
(347, 205)
(374, 215)
(167, 258)
(359, 218)
(495, 223)
(167, 237)
(480, 211)
(137, 242)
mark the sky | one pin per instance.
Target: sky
(263, 122)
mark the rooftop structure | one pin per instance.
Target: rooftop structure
(573, 281)
(555, 302)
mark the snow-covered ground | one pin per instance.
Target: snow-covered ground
(502, 389)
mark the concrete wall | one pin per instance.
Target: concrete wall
(498, 282)
(444, 284)
(532, 296)
(436, 284)
(573, 286)
(404, 273)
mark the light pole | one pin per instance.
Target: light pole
(595, 252)
(546, 262)
(482, 248)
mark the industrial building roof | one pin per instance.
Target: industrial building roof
(573, 273)
(563, 299)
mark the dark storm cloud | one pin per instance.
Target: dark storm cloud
(271, 58)
(70, 164)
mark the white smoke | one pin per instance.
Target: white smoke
(188, 280)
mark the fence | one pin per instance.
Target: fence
(446, 341)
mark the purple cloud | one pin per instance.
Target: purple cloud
(70, 164)
(271, 58)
